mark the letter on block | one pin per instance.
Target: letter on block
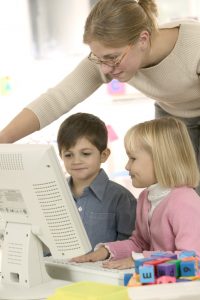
(187, 268)
(147, 274)
(166, 270)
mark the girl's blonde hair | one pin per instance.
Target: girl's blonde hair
(116, 23)
(168, 142)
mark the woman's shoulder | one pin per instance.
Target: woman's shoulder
(188, 33)
(186, 23)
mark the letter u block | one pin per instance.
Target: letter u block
(147, 274)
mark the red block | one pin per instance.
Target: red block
(165, 279)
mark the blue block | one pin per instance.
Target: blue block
(127, 277)
(187, 268)
(147, 274)
(139, 262)
(187, 254)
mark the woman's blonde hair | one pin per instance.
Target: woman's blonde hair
(168, 142)
(116, 23)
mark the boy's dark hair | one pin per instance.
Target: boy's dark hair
(82, 125)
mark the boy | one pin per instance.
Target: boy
(107, 209)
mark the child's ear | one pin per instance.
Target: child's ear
(105, 154)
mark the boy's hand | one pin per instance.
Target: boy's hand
(121, 264)
(100, 254)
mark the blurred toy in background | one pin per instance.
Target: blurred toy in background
(115, 87)
(5, 85)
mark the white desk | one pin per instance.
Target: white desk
(177, 291)
(171, 291)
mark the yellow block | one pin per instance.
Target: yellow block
(90, 291)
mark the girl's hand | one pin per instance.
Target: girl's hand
(120, 264)
(99, 254)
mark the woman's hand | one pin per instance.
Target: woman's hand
(120, 264)
(100, 254)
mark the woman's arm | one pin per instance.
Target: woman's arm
(56, 101)
(25, 123)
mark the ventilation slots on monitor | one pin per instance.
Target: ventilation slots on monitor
(36, 206)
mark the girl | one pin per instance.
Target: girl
(161, 159)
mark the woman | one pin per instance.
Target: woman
(127, 44)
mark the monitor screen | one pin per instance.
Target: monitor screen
(36, 205)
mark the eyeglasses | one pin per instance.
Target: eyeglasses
(109, 62)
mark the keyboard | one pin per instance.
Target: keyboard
(89, 271)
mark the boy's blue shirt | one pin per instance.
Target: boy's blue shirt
(107, 210)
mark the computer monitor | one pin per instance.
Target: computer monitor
(36, 205)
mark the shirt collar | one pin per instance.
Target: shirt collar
(157, 192)
(98, 185)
